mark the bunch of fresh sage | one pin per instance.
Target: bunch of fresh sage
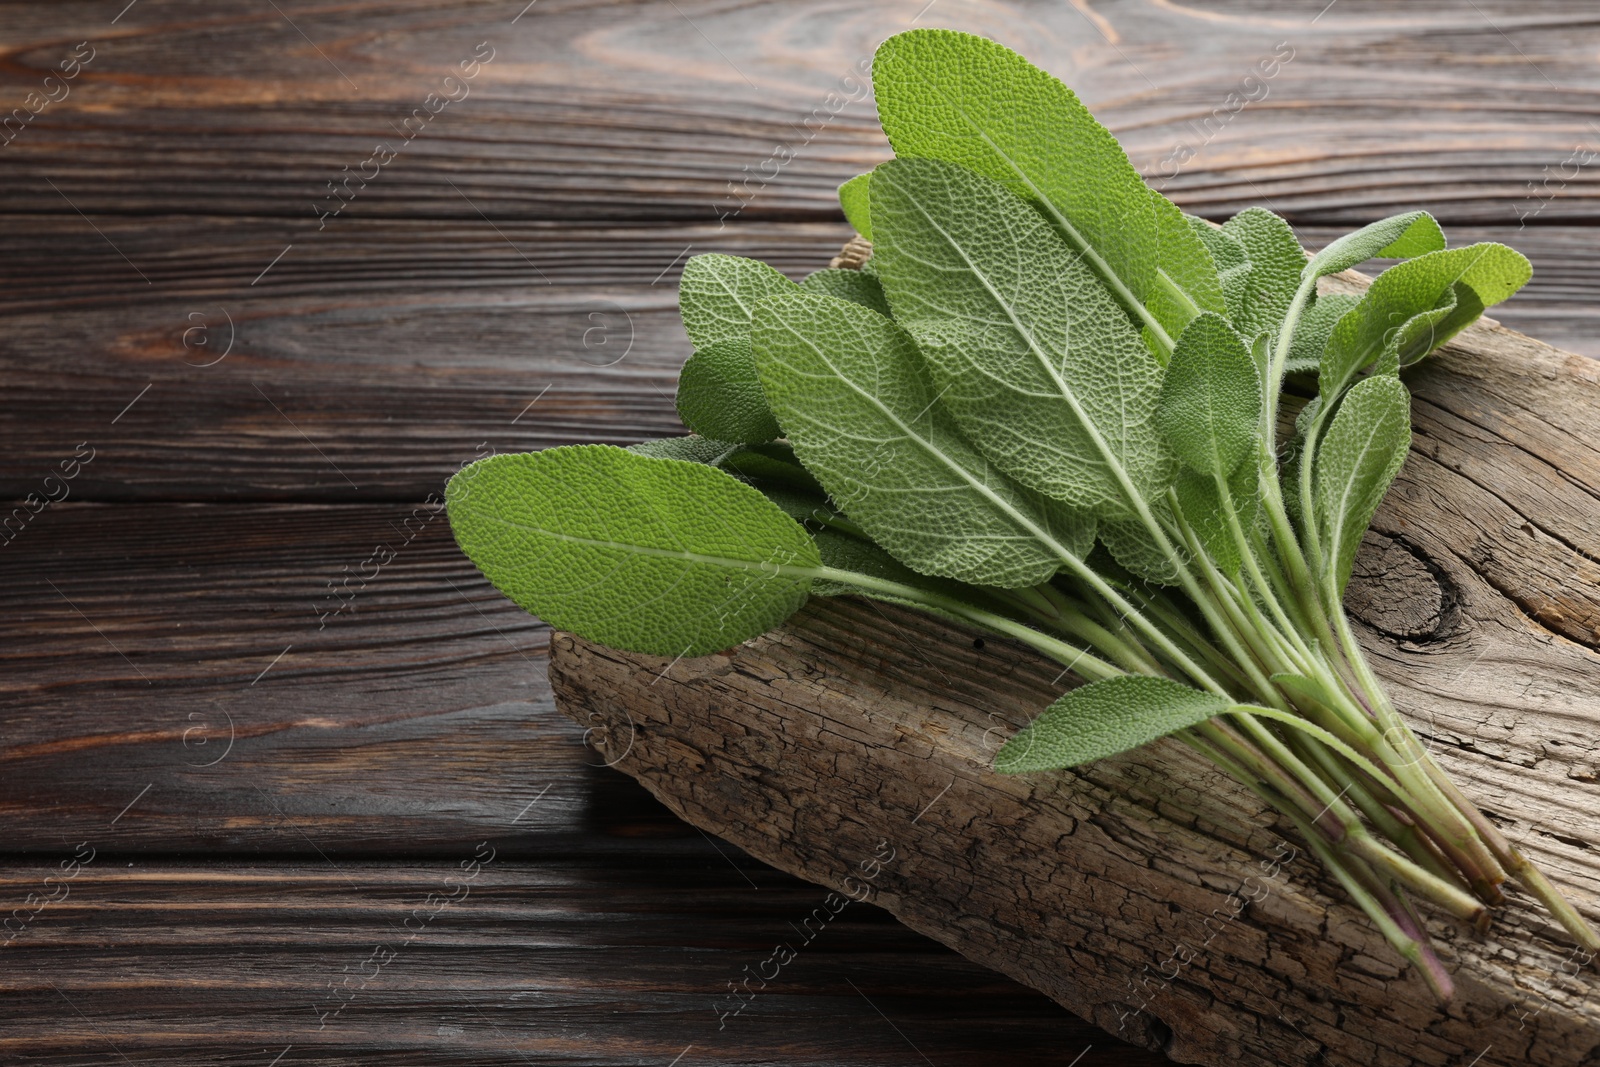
(1048, 407)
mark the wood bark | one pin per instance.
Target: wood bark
(1149, 892)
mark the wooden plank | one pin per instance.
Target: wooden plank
(147, 714)
(412, 330)
(588, 113)
(496, 962)
(1479, 591)
(195, 658)
(310, 401)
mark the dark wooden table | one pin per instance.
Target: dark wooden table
(281, 781)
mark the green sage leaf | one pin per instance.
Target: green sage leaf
(1355, 462)
(1208, 512)
(1396, 237)
(1233, 266)
(772, 462)
(659, 556)
(692, 449)
(1276, 262)
(851, 391)
(1104, 718)
(1210, 401)
(1413, 307)
(853, 199)
(719, 395)
(1135, 548)
(970, 101)
(856, 286)
(718, 293)
(853, 555)
(1028, 351)
(1316, 326)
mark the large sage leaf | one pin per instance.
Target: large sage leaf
(863, 416)
(968, 100)
(1104, 718)
(719, 395)
(1211, 398)
(718, 293)
(1028, 350)
(1355, 462)
(660, 556)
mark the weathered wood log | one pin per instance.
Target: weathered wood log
(1148, 892)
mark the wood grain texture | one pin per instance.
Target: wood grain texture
(1479, 589)
(529, 234)
(649, 110)
(287, 394)
(591, 960)
(261, 824)
(312, 402)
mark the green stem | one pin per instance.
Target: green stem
(1356, 838)
(1181, 629)
(1364, 888)
(1381, 906)
(1252, 567)
(1072, 618)
(1241, 632)
(1403, 833)
(1273, 386)
(1433, 796)
(1160, 640)
(1517, 864)
(1080, 660)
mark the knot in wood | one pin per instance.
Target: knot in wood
(1392, 589)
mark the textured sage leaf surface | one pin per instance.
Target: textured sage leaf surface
(1315, 327)
(850, 389)
(1415, 306)
(717, 295)
(660, 556)
(1027, 348)
(1132, 545)
(855, 286)
(1276, 264)
(1355, 462)
(1208, 512)
(772, 462)
(967, 100)
(853, 199)
(1412, 233)
(1233, 266)
(1211, 398)
(1104, 718)
(719, 395)
(693, 449)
